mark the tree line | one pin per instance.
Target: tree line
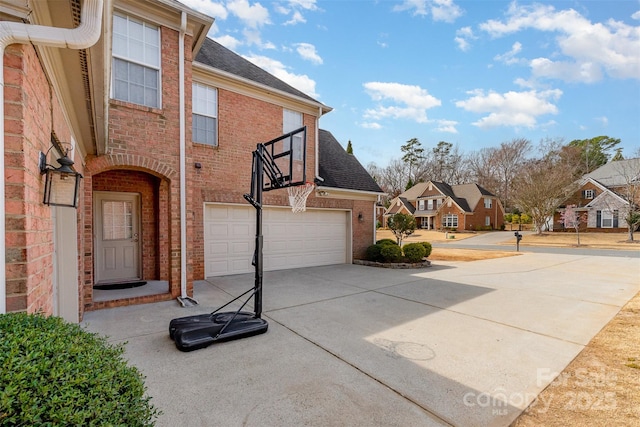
(526, 177)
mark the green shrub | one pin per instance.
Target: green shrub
(414, 252)
(58, 374)
(386, 242)
(373, 253)
(428, 248)
(391, 253)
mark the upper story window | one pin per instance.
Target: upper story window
(430, 204)
(136, 62)
(205, 114)
(420, 205)
(292, 120)
(487, 202)
(589, 194)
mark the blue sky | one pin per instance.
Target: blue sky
(473, 73)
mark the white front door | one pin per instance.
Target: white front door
(117, 236)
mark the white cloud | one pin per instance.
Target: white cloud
(463, 35)
(604, 120)
(308, 52)
(254, 16)
(411, 102)
(229, 42)
(636, 15)
(590, 50)
(446, 126)
(441, 10)
(296, 9)
(254, 37)
(208, 7)
(371, 125)
(510, 57)
(511, 109)
(296, 18)
(299, 81)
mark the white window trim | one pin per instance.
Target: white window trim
(195, 111)
(288, 126)
(487, 203)
(138, 62)
(605, 214)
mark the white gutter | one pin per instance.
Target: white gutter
(82, 37)
(317, 165)
(183, 299)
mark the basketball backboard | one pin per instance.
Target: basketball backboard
(284, 160)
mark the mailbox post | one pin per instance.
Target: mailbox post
(518, 238)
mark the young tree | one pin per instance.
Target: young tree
(571, 218)
(402, 225)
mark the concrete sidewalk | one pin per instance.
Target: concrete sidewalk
(465, 344)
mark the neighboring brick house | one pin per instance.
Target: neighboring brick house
(440, 206)
(162, 122)
(603, 197)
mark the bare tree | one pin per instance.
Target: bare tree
(483, 171)
(542, 185)
(508, 160)
(394, 177)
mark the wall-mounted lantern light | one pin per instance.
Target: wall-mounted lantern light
(360, 217)
(61, 184)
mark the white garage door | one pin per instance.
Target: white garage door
(312, 238)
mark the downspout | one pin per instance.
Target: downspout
(82, 37)
(317, 162)
(183, 299)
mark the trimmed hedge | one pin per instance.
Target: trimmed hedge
(386, 242)
(373, 253)
(55, 373)
(414, 252)
(428, 248)
(391, 253)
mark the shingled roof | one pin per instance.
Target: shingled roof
(215, 55)
(340, 169)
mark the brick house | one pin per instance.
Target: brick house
(603, 196)
(161, 122)
(440, 206)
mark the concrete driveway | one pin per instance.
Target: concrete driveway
(464, 344)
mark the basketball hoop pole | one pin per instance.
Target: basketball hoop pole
(255, 199)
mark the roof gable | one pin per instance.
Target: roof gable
(340, 169)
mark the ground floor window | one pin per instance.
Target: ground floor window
(607, 219)
(450, 221)
(487, 221)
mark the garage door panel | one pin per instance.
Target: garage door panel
(315, 237)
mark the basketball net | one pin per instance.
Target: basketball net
(298, 196)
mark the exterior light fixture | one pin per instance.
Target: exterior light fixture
(360, 217)
(61, 184)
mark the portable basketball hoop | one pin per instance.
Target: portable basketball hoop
(298, 196)
(279, 163)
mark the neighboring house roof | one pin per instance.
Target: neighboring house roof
(615, 174)
(466, 196)
(341, 170)
(398, 204)
(215, 55)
